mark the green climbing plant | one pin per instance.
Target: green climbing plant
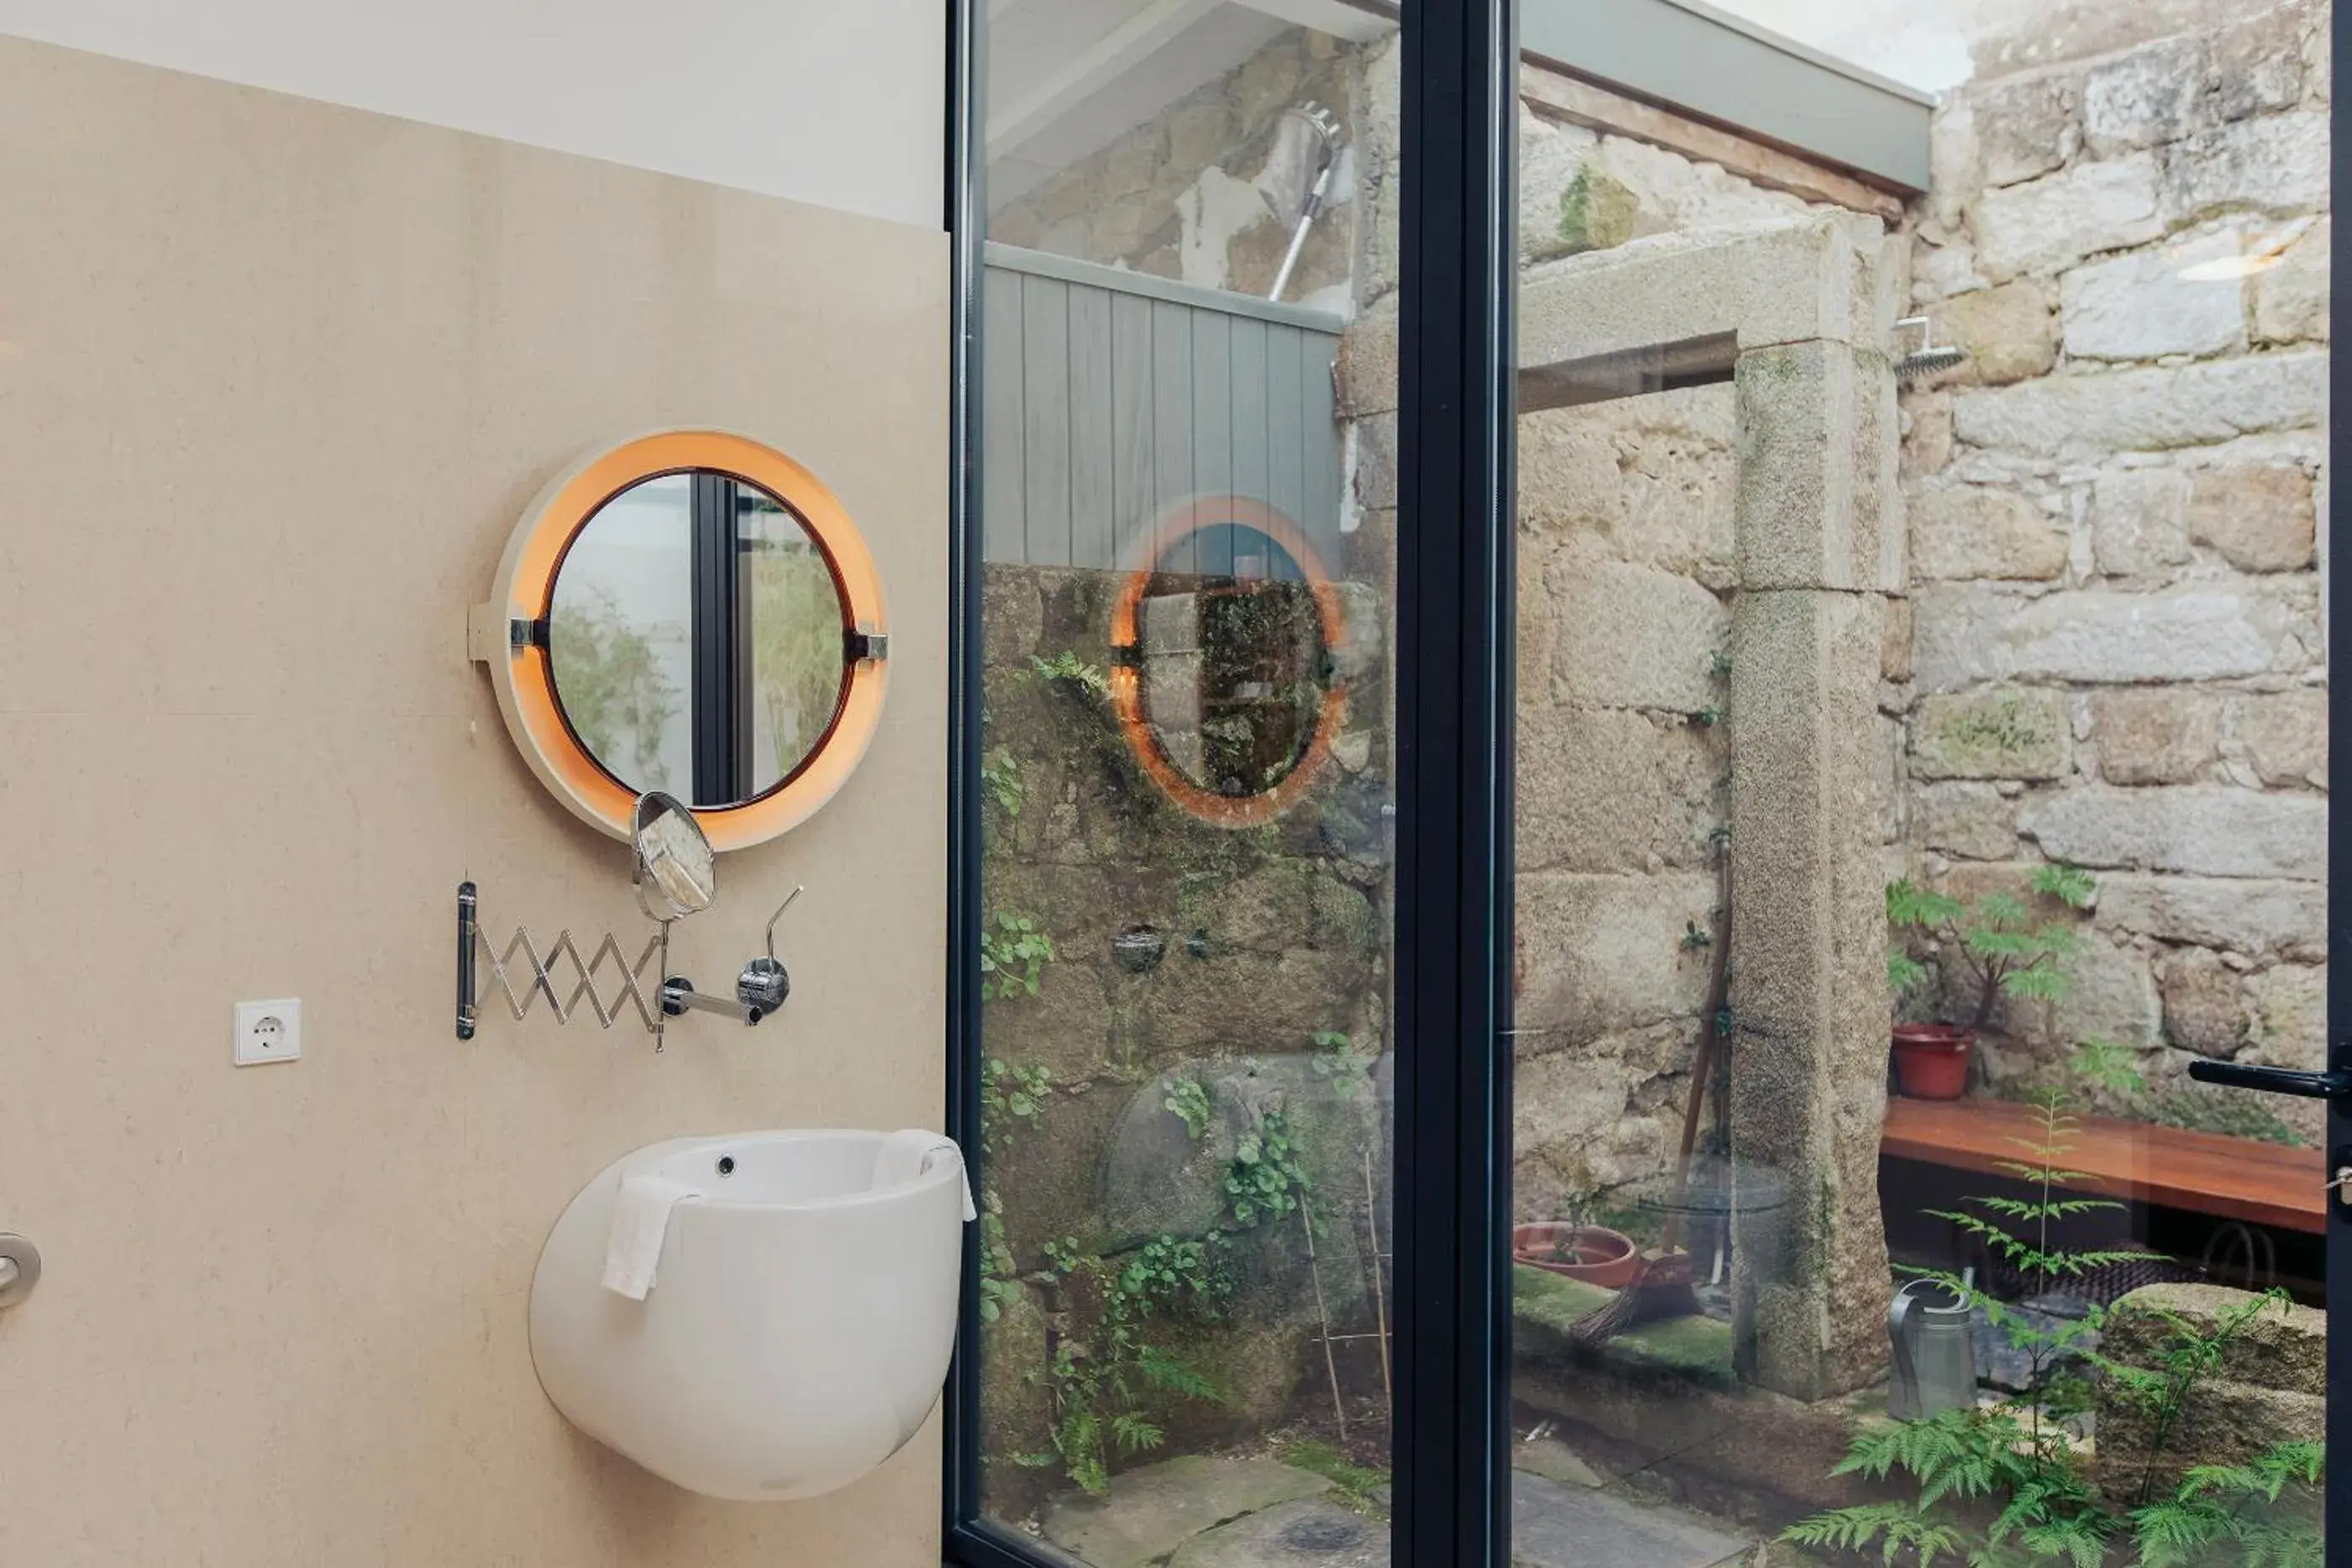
(1011, 1099)
(1013, 953)
(1188, 1102)
(1266, 1181)
(1002, 781)
(1102, 1386)
(1337, 1058)
(2007, 1485)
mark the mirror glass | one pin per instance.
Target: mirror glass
(695, 639)
(1232, 663)
(676, 874)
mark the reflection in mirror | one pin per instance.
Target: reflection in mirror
(795, 638)
(676, 874)
(1233, 666)
(695, 639)
(620, 627)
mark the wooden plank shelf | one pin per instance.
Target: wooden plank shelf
(2232, 1178)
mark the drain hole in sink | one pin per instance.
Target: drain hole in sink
(727, 1165)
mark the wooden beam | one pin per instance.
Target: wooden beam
(1101, 63)
(1565, 98)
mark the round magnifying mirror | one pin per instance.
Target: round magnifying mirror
(677, 875)
(1233, 661)
(697, 639)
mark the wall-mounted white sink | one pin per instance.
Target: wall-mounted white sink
(798, 1320)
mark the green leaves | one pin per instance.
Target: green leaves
(1337, 1058)
(1013, 953)
(1266, 1181)
(2070, 885)
(1099, 1385)
(1068, 667)
(2264, 1513)
(1188, 1102)
(2108, 1065)
(1001, 780)
(1908, 904)
(1898, 1527)
(1009, 1096)
(2007, 950)
(2018, 1456)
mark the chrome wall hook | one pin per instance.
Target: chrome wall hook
(763, 984)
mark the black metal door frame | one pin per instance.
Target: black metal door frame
(1455, 659)
(2338, 1495)
(2333, 1083)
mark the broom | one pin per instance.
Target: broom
(1663, 1287)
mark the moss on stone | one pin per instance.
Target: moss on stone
(1544, 1306)
(1596, 212)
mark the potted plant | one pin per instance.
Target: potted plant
(1577, 1249)
(2002, 946)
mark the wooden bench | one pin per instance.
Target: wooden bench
(2206, 1173)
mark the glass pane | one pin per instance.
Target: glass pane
(1921, 767)
(1188, 542)
(620, 635)
(793, 630)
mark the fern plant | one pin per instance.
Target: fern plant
(1069, 669)
(2006, 1485)
(2007, 948)
(1101, 1388)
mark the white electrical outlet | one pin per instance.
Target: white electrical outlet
(269, 1032)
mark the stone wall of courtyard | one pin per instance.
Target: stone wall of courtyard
(2118, 648)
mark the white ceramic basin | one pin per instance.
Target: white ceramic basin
(800, 1322)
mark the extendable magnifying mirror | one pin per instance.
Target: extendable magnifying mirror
(677, 873)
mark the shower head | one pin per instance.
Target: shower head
(1321, 120)
(1927, 359)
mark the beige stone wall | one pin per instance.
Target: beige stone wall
(1627, 568)
(1626, 560)
(2120, 650)
(275, 381)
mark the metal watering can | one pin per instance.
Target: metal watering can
(1935, 1350)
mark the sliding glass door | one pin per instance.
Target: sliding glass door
(1923, 827)
(1644, 786)
(1194, 551)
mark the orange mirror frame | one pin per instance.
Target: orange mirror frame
(1126, 675)
(524, 593)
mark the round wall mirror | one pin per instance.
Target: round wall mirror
(690, 613)
(1224, 674)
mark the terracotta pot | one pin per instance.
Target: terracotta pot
(1931, 1060)
(1592, 1253)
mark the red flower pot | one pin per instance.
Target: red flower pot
(1931, 1060)
(1592, 1253)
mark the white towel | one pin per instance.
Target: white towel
(911, 1153)
(640, 1220)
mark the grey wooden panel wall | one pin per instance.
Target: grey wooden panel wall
(1108, 397)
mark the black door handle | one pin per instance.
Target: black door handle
(2331, 1086)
